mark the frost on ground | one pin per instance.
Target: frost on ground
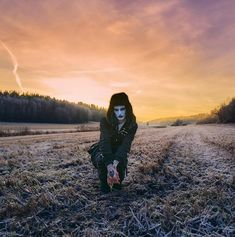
(180, 183)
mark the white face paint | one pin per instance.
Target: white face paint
(120, 112)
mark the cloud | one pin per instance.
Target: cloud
(15, 65)
(95, 71)
(162, 53)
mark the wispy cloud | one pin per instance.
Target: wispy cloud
(15, 65)
(164, 54)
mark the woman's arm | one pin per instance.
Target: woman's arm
(105, 142)
(125, 147)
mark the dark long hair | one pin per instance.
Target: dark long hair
(120, 99)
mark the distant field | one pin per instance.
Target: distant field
(180, 182)
(10, 129)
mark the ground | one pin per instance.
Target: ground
(180, 182)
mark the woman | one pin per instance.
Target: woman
(117, 131)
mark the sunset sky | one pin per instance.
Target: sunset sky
(172, 58)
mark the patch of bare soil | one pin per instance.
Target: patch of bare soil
(179, 183)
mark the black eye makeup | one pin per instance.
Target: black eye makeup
(121, 108)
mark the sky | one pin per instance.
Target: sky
(171, 58)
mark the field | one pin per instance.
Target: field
(17, 129)
(180, 182)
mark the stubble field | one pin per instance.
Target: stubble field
(180, 182)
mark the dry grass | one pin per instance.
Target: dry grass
(222, 139)
(178, 184)
(22, 129)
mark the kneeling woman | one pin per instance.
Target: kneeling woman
(117, 131)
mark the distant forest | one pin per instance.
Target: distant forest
(35, 108)
(224, 114)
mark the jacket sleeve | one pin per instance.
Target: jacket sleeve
(125, 147)
(105, 142)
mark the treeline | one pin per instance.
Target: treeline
(25, 107)
(224, 114)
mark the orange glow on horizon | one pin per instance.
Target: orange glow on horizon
(172, 58)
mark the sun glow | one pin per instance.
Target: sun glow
(171, 57)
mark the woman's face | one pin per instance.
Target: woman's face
(120, 112)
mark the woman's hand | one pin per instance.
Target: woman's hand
(115, 163)
(110, 168)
